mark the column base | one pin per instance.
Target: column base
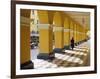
(46, 56)
(27, 65)
(76, 44)
(58, 50)
(67, 47)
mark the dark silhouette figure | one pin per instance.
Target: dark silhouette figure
(72, 43)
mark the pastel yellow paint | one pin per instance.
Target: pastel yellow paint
(44, 40)
(43, 16)
(66, 38)
(66, 31)
(58, 39)
(25, 36)
(58, 32)
(25, 44)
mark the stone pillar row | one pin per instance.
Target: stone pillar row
(54, 39)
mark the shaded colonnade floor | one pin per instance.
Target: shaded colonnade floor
(78, 57)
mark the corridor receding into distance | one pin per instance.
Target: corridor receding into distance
(52, 39)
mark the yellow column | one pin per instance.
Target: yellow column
(45, 39)
(86, 30)
(75, 34)
(26, 63)
(82, 30)
(58, 32)
(78, 36)
(45, 36)
(82, 33)
(58, 38)
(66, 33)
(71, 30)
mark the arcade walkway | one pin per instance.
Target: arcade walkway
(69, 58)
(51, 38)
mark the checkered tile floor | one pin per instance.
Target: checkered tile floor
(70, 58)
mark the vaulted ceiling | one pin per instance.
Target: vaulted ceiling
(83, 18)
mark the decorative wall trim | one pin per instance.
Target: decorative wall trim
(58, 28)
(43, 26)
(25, 20)
(66, 30)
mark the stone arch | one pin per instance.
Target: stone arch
(57, 20)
